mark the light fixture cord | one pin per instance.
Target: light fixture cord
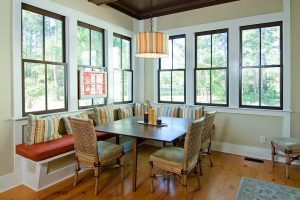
(151, 16)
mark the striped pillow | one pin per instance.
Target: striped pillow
(125, 112)
(168, 111)
(191, 112)
(67, 121)
(140, 109)
(42, 129)
(104, 114)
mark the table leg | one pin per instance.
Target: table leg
(134, 163)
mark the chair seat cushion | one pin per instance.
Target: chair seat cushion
(169, 156)
(45, 150)
(108, 151)
(291, 144)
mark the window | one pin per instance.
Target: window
(261, 66)
(123, 79)
(211, 73)
(90, 57)
(171, 74)
(43, 61)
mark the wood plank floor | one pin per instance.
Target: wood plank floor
(218, 182)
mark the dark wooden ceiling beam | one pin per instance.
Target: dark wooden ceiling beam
(101, 2)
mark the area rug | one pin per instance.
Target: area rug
(253, 189)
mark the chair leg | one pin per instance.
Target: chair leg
(184, 184)
(152, 176)
(287, 164)
(273, 155)
(198, 175)
(97, 170)
(210, 155)
(122, 166)
(77, 169)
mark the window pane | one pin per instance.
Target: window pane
(270, 87)
(125, 54)
(218, 87)
(219, 50)
(250, 47)
(32, 32)
(127, 86)
(96, 49)
(203, 86)
(56, 86)
(117, 52)
(178, 86)
(98, 101)
(250, 87)
(179, 53)
(53, 40)
(83, 46)
(204, 51)
(85, 102)
(34, 87)
(270, 46)
(166, 63)
(118, 86)
(165, 86)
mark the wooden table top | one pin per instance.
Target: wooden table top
(175, 128)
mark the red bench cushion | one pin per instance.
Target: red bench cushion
(42, 151)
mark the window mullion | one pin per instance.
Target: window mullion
(46, 87)
(259, 79)
(211, 60)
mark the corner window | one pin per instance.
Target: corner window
(44, 67)
(90, 58)
(211, 73)
(261, 66)
(123, 74)
(171, 73)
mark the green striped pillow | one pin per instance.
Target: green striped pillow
(67, 121)
(104, 114)
(124, 113)
(168, 111)
(140, 109)
(42, 129)
(191, 112)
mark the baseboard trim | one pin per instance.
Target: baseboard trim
(9, 181)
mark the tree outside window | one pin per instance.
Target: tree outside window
(43, 61)
(261, 66)
(123, 79)
(211, 73)
(171, 74)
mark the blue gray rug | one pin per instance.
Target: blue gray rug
(253, 189)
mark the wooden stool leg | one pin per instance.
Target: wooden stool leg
(287, 164)
(152, 176)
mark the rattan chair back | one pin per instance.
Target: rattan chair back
(207, 129)
(85, 141)
(192, 144)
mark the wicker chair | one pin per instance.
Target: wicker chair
(92, 153)
(206, 137)
(180, 161)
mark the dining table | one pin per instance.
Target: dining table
(172, 129)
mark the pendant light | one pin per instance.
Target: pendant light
(151, 44)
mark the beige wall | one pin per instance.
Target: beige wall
(6, 134)
(238, 9)
(102, 12)
(243, 129)
(295, 50)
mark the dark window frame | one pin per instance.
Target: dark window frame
(260, 67)
(97, 29)
(171, 70)
(123, 37)
(45, 13)
(225, 30)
